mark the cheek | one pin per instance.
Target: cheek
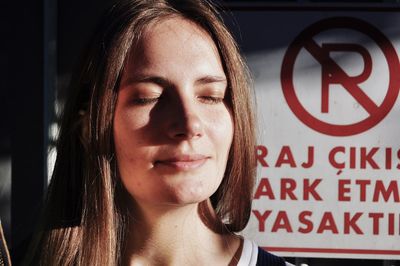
(220, 132)
(127, 149)
(127, 130)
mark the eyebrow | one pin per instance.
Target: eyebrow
(210, 79)
(165, 82)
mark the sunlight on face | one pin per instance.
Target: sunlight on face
(172, 127)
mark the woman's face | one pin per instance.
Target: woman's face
(172, 127)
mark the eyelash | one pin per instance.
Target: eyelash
(204, 99)
(144, 101)
(211, 99)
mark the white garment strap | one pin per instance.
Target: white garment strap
(249, 254)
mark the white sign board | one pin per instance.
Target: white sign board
(327, 88)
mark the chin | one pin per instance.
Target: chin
(184, 194)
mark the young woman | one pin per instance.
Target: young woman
(155, 161)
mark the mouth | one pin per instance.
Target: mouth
(183, 162)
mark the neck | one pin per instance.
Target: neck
(177, 235)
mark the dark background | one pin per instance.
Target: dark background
(41, 42)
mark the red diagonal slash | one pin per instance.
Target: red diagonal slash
(322, 56)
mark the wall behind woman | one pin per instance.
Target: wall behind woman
(26, 82)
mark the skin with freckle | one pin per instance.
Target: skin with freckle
(172, 128)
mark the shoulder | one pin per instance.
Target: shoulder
(265, 258)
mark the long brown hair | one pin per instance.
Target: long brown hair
(85, 218)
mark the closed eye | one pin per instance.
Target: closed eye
(145, 101)
(211, 99)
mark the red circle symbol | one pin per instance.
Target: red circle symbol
(305, 40)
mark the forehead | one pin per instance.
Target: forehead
(172, 38)
(176, 28)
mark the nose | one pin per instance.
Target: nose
(185, 122)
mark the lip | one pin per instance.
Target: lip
(184, 162)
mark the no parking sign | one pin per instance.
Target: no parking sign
(332, 73)
(327, 88)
